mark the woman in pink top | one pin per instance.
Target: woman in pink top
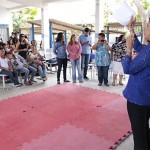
(74, 50)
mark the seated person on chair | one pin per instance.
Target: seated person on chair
(6, 68)
(20, 64)
(35, 60)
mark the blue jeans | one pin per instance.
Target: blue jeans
(41, 69)
(33, 72)
(103, 74)
(76, 64)
(12, 75)
(25, 71)
(85, 58)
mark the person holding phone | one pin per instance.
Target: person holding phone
(86, 43)
(102, 58)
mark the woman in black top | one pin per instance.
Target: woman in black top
(22, 46)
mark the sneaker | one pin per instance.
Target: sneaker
(100, 84)
(85, 77)
(44, 79)
(106, 84)
(66, 81)
(74, 82)
(58, 82)
(80, 81)
(18, 85)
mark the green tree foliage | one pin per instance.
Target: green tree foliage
(21, 17)
(146, 5)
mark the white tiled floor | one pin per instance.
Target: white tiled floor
(92, 83)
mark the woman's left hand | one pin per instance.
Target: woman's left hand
(106, 42)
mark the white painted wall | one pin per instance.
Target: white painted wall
(6, 18)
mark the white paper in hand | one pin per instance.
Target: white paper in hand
(123, 14)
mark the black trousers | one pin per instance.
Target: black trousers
(85, 58)
(61, 62)
(139, 118)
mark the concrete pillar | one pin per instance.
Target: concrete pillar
(99, 17)
(45, 27)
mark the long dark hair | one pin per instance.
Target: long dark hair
(120, 38)
(20, 36)
(59, 37)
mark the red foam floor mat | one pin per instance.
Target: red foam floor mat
(65, 117)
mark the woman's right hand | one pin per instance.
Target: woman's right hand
(129, 42)
(131, 23)
(132, 20)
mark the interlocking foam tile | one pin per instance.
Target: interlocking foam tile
(26, 126)
(29, 116)
(68, 137)
(94, 97)
(118, 105)
(106, 123)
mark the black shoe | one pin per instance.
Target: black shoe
(100, 84)
(58, 82)
(18, 85)
(66, 81)
(106, 84)
(85, 77)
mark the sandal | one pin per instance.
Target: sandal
(113, 84)
(120, 83)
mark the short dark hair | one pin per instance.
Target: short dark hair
(86, 30)
(120, 37)
(4, 44)
(101, 34)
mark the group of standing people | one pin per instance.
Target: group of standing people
(79, 55)
(79, 51)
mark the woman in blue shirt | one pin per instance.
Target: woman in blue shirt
(137, 91)
(60, 51)
(102, 58)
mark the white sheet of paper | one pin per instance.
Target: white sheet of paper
(123, 14)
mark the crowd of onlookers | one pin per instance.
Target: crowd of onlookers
(20, 57)
(80, 52)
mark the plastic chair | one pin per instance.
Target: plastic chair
(3, 80)
(92, 65)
